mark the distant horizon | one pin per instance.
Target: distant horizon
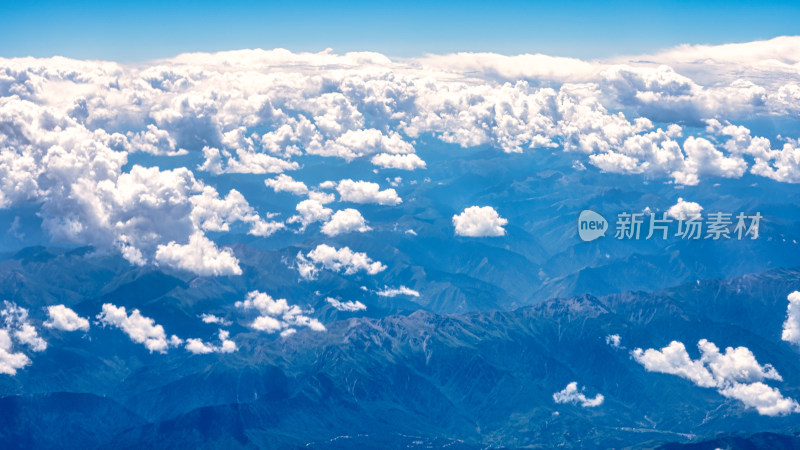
(143, 31)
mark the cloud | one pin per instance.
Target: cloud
(310, 211)
(357, 143)
(16, 322)
(10, 361)
(140, 329)
(571, 394)
(477, 221)
(337, 260)
(613, 340)
(734, 374)
(16, 327)
(366, 192)
(702, 158)
(394, 292)
(402, 162)
(200, 256)
(211, 318)
(242, 161)
(285, 183)
(65, 319)
(349, 306)
(67, 138)
(276, 314)
(154, 141)
(345, 221)
(791, 327)
(210, 212)
(684, 210)
(198, 347)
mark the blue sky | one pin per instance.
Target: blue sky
(130, 31)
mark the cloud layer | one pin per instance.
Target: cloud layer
(70, 128)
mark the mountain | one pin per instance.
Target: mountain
(469, 380)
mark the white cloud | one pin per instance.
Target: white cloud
(16, 322)
(571, 394)
(366, 192)
(288, 332)
(684, 210)
(675, 360)
(349, 306)
(67, 138)
(357, 143)
(791, 327)
(613, 340)
(210, 212)
(65, 319)
(276, 314)
(198, 347)
(734, 374)
(200, 255)
(394, 292)
(477, 221)
(243, 161)
(10, 361)
(154, 141)
(702, 158)
(768, 401)
(336, 260)
(310, 211)
(345, 221)
(142, 330)
(403, 162)
(285, 183)
(211, 318)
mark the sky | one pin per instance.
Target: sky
(136, 31)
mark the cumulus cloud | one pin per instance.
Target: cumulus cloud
(613, 340)
(276, 315)
(210, 212)
(349, 306)
(684, 210)
(357, 143)
(345, 221)
(394, 292)
(734, 374)
(571, 394)
(477, 221)
(10, 361)
(403, 162)
(16, 327)
(65, 319)
(285, 183)
(337, 260)
(140, 329)
(154, 141)
(366, 192)
(198, 347)
(211, 318)
(243, 160)
(791, 327)
(200, 255)
(67, 137)
(16, 322)
(310, 211)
